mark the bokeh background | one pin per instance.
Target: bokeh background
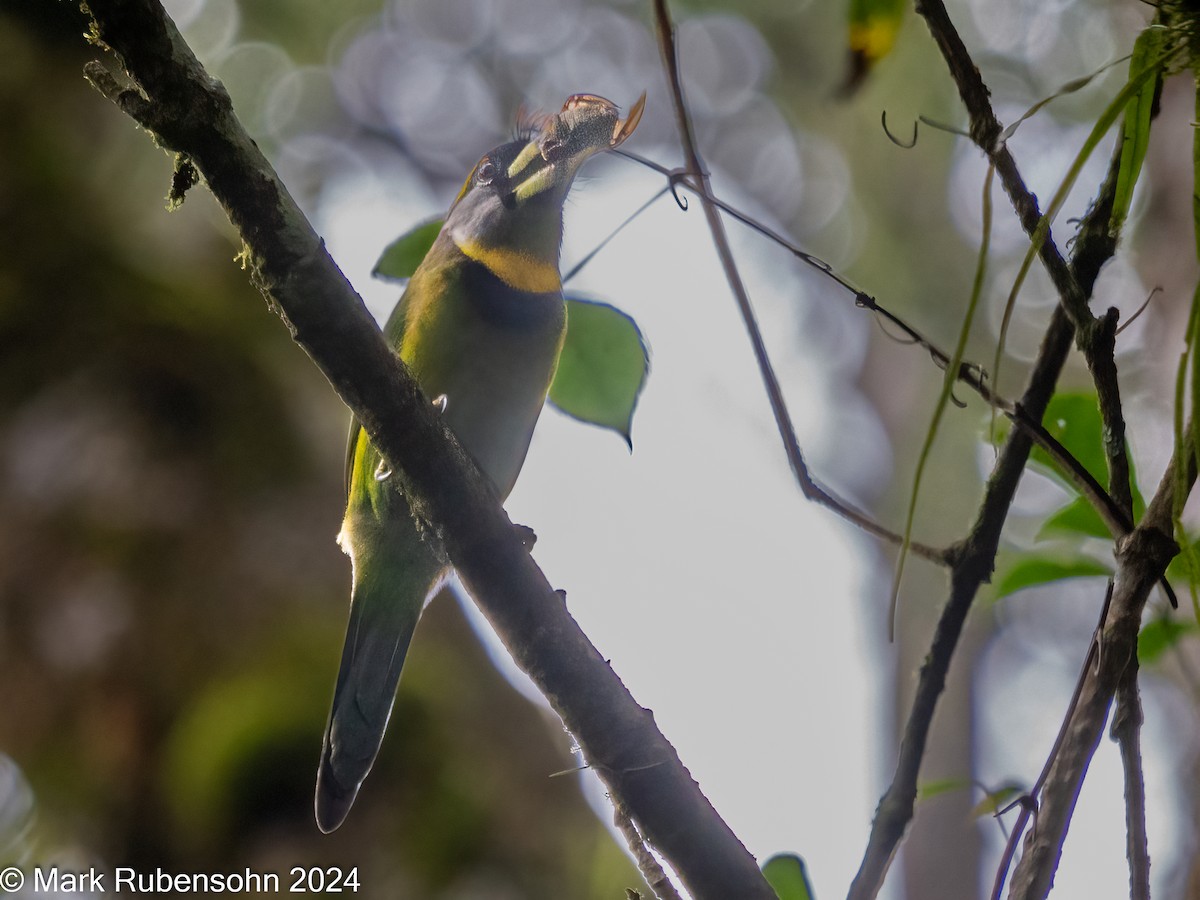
(171, 598)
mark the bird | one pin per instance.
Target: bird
(480, 325)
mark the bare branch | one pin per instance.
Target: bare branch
(973, 565)
(1127, 732)
(783, 419)
(652, 872)
(1142, 558)
(1029, 800)
(1094, 335)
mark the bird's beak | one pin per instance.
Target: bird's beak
(585, 126)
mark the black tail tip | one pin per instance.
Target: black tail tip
(333, 801)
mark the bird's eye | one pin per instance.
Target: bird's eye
(552, 148)
(486, 173)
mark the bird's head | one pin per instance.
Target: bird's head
(511, 203)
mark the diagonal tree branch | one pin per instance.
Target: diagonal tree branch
(985, 131)
(1141, 560)
(1127, 732)
(190, 113)
(1029, 800)
(1096, 337)
(1094, 245)
(972, 567)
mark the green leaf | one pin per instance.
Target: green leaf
(1160, 635)
(930, 789)
(1030, 570)
(602, 368)
(1073, 419)
(786, 873)
(402, 256)
(994, 801)
(1135, 129)
(951, 374)
(1184, 568)
(874, 25)
(1077, 518)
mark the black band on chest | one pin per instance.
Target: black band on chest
(503, 306)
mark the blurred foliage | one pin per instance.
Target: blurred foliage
(787, 874)
(873, 26)
(997, 799)
(171, 599)
(1030, 570)
(1160, 634)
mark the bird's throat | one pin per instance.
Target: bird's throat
(518, 270)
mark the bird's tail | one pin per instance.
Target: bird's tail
(391, 584)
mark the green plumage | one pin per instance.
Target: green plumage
(478, 326)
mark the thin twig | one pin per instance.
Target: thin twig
(1100, 351)
(948, 381)
(1127, 732)
(578, 267)
(1028, 810)
(682, 177)
(783, 420)
(1127, 722)
(969, 374)
(652, 872)
(1141, 559)
(986, 132)
(1029, 800)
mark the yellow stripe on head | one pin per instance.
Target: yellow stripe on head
(527, 155)
(536, 183)
(519, 271)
